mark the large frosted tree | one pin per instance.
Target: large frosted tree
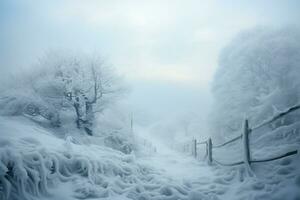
(87, 85)
(258, 76)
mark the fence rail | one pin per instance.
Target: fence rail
(245, 141)
(228, 142)
(292, 109)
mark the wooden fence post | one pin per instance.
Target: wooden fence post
(246, 146)
(194, 150)
(209, 151)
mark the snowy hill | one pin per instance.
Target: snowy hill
(37, 164)
(33, 161)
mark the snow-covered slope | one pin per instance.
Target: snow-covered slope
(37, 164)
(33, 161)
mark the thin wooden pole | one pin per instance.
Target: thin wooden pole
(195, 148)
(206, 151)
(246, 146)
(209, 151)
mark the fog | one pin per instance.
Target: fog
(166, 50)
(149, 100)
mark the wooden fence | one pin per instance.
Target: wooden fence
(247, 160)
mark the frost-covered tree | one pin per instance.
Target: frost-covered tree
(86, 84)
(80, 85)
(258, 75)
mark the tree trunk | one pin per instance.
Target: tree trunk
(89, 118)
(78, 113)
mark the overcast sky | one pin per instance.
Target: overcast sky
(167, 49)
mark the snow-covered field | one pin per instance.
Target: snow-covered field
(35, 163)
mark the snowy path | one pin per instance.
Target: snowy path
(178, 166)
(174, 164)
(199, 180)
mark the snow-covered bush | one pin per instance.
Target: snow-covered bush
(258, 76)
(26, 102)
(113, 128)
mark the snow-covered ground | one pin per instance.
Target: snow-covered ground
(35, 163)
(272, 180)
